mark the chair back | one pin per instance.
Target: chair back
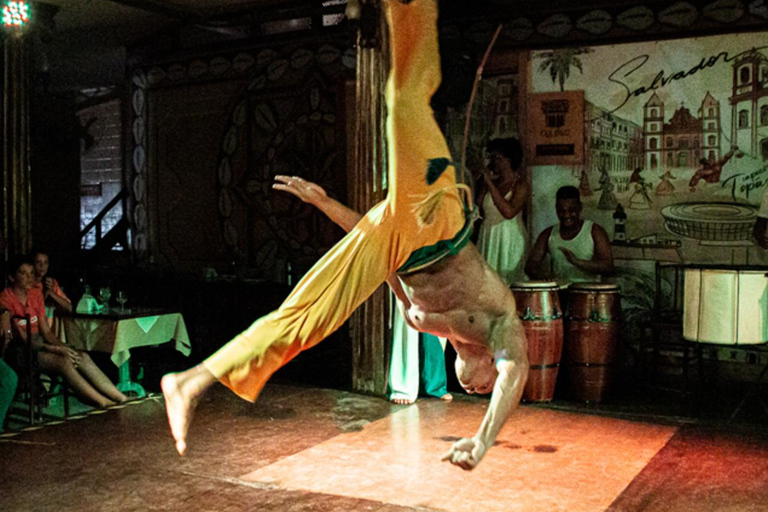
(34, 380)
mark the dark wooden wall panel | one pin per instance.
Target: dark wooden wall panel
(186, 133)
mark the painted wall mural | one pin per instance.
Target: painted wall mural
(676, 133)
(675, 152)
(494, 114)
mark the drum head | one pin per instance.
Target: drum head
(594, 287)
(534, 285)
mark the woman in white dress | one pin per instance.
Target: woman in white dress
(502, 195)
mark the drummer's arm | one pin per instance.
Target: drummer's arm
(534, 265)
(602, 259)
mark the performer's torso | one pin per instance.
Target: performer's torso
(459, 298)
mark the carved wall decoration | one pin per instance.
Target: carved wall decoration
(637, 18)
(759, 8)
(138, 170)
(542, 27)
(724, 11)
(595, 22)
(681, 14)
(557, 26)
(284, 119)
(519, 29)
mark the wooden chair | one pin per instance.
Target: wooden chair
(37, 389)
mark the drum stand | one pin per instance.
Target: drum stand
(752, 393)
(684, 347)
(666, 328)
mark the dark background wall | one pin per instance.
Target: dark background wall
(55, 162)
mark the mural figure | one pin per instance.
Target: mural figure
(710, 169)
(584, 189)
(639, 199)
(666, 187)
(608, 199)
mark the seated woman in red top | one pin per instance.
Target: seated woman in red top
(52, 293)
(77, 368)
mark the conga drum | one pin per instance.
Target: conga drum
(591, 346)
(539, 310)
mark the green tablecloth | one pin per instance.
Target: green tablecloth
(119, 336)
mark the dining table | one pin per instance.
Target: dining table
(117, 331)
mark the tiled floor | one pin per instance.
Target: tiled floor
(326, 450)
(555, 460)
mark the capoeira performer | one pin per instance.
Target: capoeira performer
(417, 240)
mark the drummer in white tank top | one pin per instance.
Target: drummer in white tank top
(582, 246)
(579, 249)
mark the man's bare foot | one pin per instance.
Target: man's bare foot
(402, 401)
(446, 397)
(181, 392)
(179, 408)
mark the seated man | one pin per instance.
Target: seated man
(579, 249)
(416, 240)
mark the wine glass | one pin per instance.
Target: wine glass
(122, 298)
(104, 294)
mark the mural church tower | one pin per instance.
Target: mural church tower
(653, 130)
(749, 104)
(709, 113)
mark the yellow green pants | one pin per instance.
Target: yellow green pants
(384, 239)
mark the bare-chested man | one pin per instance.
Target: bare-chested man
(416, 240)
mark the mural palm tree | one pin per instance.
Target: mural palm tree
(559, 63)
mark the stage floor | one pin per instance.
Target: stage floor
(316, 449)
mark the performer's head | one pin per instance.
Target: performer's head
(504, 152)
(476, 372)
(568, 206)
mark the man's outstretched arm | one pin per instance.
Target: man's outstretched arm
(508, 341)
(314, 194)
(344, 217)
(534, 267)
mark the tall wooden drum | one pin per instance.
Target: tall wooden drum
(592, 333)
(539, 309)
